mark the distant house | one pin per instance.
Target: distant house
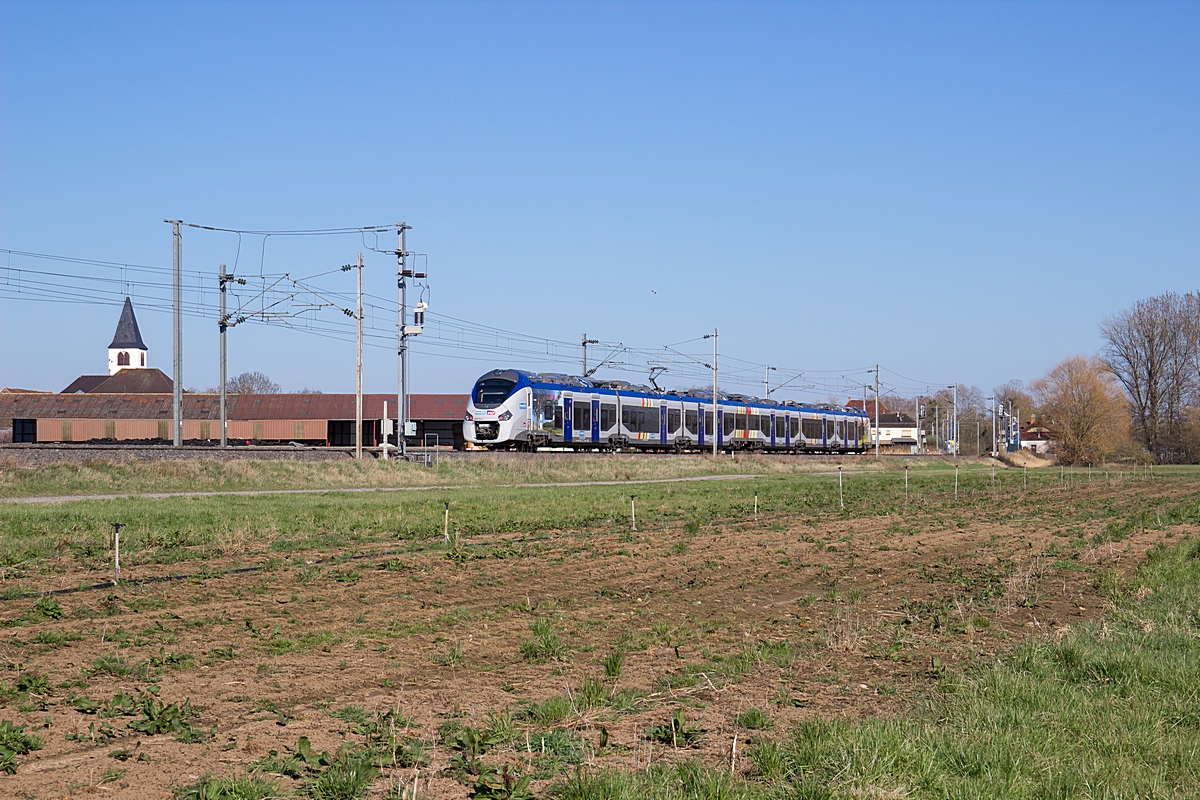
(1036, 437)
(897, 431)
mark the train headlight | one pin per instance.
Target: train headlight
(468, 417)
(505, 416)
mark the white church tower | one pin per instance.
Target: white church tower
(127, 350)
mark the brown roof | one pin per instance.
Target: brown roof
(341, 406)
(208, 406)
(437, 406)
(869, 407)
(85, 383)
(13, 389)
(126, 381)
(136, 381)
(106, 406)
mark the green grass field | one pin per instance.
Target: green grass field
(208, 475)
(75, 535)
(1106, 708)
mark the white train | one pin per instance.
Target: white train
(514, 409)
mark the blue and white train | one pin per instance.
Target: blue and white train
(514, 409)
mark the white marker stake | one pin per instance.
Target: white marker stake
(116, 554)
(956, 481)
(756, 506)
(906, 483)
(841, 500)
(633, 510)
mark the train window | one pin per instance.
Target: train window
(764, 424)
(780, 427)
(812, 429)
(558, 417)
(583, 417)
(728, 420)
(640, 420)
(795, 425)
(741, 421)
(493, 391)
(690, 418)
(608, 415)
(708, 423)
(673, 416)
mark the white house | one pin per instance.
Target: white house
(897, 431)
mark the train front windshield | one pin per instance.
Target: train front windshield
(493, 391)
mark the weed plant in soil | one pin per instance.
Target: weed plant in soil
(1104, 709)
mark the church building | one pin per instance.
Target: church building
(127, 350)
(127, 370)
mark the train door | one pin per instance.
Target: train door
(568, 420)
(595, 419)
(662, 424)
(787, 430)
(772, 429)
(700, 425)
(720, 425)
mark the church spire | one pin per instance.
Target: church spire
(127, 334)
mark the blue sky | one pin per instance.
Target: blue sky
(958, 191)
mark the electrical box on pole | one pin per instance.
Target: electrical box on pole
(405, 328)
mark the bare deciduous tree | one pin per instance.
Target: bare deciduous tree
(251, 383)
(1014, 392)
(1085, 406)
(1152, 350)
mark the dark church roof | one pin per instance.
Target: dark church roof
(136, 381)
(85, 383)
(127, 334)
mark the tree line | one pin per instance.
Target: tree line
(1138, 399)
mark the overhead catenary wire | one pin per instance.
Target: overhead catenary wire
(277, 299)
